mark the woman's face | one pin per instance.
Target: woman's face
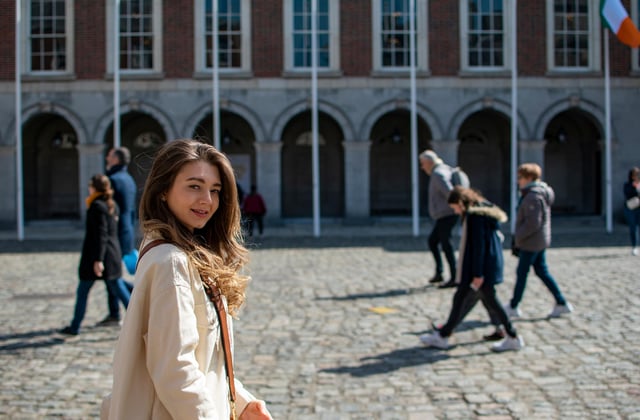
(457, 208)
(194, 196)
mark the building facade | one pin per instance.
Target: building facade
(463, 64)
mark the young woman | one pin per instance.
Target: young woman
(481, 266)
(101, 257)
(169, 362)
(631, 189)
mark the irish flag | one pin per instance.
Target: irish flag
(616, 18)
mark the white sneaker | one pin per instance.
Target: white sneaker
(435, 340)
(634, 252)
(559, 310)
(509, 344)
(512, 312)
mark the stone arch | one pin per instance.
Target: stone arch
(303, 105)
(133, 105)
(235, 107)
(482, 105)
(590, 109)
(49, 108)
(393, 105)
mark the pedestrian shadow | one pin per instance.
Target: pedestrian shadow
(29, 340)
(383, 294)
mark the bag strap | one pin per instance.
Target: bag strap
(216, 299)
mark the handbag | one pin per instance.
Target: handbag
(633, 203)
(216, 299)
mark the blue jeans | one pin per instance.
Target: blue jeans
(539, 262)
(633, 220)
(117, 287)
(112, 298)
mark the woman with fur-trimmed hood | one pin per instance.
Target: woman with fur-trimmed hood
(481, 266)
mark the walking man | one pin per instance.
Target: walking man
(532, 237)
(444, 217)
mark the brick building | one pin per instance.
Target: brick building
(463, 98)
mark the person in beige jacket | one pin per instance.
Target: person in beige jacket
(169, 360)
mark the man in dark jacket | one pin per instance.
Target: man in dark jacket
(532, 237)
(124, 188)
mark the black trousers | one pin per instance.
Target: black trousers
(441, 236)
(459, 310)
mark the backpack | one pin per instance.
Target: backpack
(459, 177)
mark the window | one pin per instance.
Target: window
(485, 35)
(574, 35)
(48, 41)
(234, 35)
(391, 37)
(297, 32)
(140, 36)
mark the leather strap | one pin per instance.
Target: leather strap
(216, 299)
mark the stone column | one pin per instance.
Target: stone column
(269, 176)
(356, 180)
(90, 162)
(532, 151)
(447, 150)
(8, 176)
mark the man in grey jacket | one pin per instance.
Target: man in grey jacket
(532, 237)
(445, 219)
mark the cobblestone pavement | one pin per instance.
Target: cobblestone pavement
(330, 332)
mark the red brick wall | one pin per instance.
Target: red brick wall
(532, 38)
(178, 43)
(90, 39)
(355, 37)
(444, 38)
(7, 39)
(267, 38)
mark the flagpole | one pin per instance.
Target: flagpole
(315, 164)
(414, 122)
(514, 112)
(19, 175)
(607, 147)
(216, 81)
(116, 74)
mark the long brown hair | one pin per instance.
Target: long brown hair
(102, 185)
(466, 197)
(216, 250)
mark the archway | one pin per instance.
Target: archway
(297, 180)
(390, 165)
(573, 163)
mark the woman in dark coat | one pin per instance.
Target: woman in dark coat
(631, 189)
(481, 266)
(101, 256)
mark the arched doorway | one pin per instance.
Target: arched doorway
(390, 165)
(297, 179)
(142, 135)
(573, 163)
(50, 168)
(236, 141)
(484, 154)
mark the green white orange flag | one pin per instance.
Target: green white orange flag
(617, 19)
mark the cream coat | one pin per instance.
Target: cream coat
(169, 360)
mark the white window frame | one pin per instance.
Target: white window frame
(157, 41)
(422, 42)
(334, 39)
(635, 16)
(594, 41)
(26, 42)
(200, 45)
(507, 35)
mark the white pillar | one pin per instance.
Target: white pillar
(269, 176)
(357, 186)
(447, 150)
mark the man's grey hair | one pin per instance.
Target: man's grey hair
(432, 156)
(123, 155)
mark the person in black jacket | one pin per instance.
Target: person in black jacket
(101, 255)
(631, 189)
(481, 265)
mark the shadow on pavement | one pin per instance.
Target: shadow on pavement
(388, 293)
(29, 340)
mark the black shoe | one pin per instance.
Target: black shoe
(68, 331)
(450, 283)
(436, 279)
(109, 321)
(497, 335)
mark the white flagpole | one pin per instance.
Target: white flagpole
(607, 147)
(315, 164)
(514, 113)
(116, 74)
(216, 81)
(19, 183)
(414, 122)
